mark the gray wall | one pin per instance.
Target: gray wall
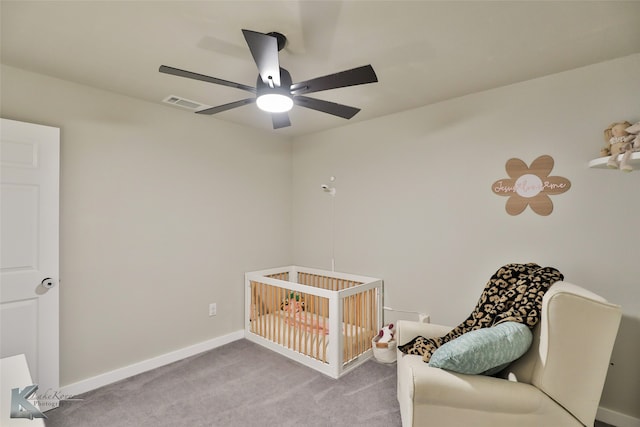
(162, 212)
(158, 209)
(414, 204)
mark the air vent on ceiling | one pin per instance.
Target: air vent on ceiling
(184, 103)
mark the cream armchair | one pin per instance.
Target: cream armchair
(558, 382)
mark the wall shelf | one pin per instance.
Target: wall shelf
(601, 162)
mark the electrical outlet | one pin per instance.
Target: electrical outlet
(212, 309)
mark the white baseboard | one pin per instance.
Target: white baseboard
(146, 365)
(617, 419)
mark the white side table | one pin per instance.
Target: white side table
(14, 373)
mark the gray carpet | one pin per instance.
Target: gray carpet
(239, 384)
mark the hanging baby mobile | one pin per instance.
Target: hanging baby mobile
(530, 186)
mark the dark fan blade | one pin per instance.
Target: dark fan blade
(225, 107)
(353, 77)
(339, 110)
(188, 74)
(280, 120)
(264, 49)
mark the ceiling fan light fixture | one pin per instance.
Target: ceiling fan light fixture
(274, 102)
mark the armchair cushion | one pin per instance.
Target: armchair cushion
(484, 351)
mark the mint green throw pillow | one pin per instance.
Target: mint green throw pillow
(484, 351)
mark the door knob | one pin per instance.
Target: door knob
(48, 283)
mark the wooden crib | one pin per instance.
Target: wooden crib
(325, 320)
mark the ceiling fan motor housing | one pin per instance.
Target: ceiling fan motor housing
(284, 88)
(282, 39)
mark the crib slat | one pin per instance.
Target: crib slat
(348, 321)
(301, 331)
(317, 338)
(267, 321)
(258, 307)
(259, 322)
(347, 335)
(275, 312)
(313, 330)
(304, 327)
(294, 329)
(276, 316)
(289, 328)
(254, 307)
(354, 330)
(358, 323)
(292, 340)
(325, 313)
(371, 324)
(262, 319)
(325, 339)
(272, 291)
(351, 331)
(375, 303)
(286, 331)
(298, 332)
(369, 337)
(263, 298)
(367, 317)
(345, 327)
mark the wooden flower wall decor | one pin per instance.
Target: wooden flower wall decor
(530, 186)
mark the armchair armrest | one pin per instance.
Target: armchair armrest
(407, 330)
(438, 387)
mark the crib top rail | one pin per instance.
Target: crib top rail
(354, 283)
(292, 286)
(293, 271)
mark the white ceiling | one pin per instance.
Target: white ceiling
(422, 51)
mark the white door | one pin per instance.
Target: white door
(30, 168)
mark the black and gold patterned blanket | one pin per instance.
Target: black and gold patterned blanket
(513, 294)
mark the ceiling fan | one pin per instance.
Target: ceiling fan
(275, 92)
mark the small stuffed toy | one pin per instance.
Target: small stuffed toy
(294, 302)
(617, 139)
(386, 333)
(630, 147)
